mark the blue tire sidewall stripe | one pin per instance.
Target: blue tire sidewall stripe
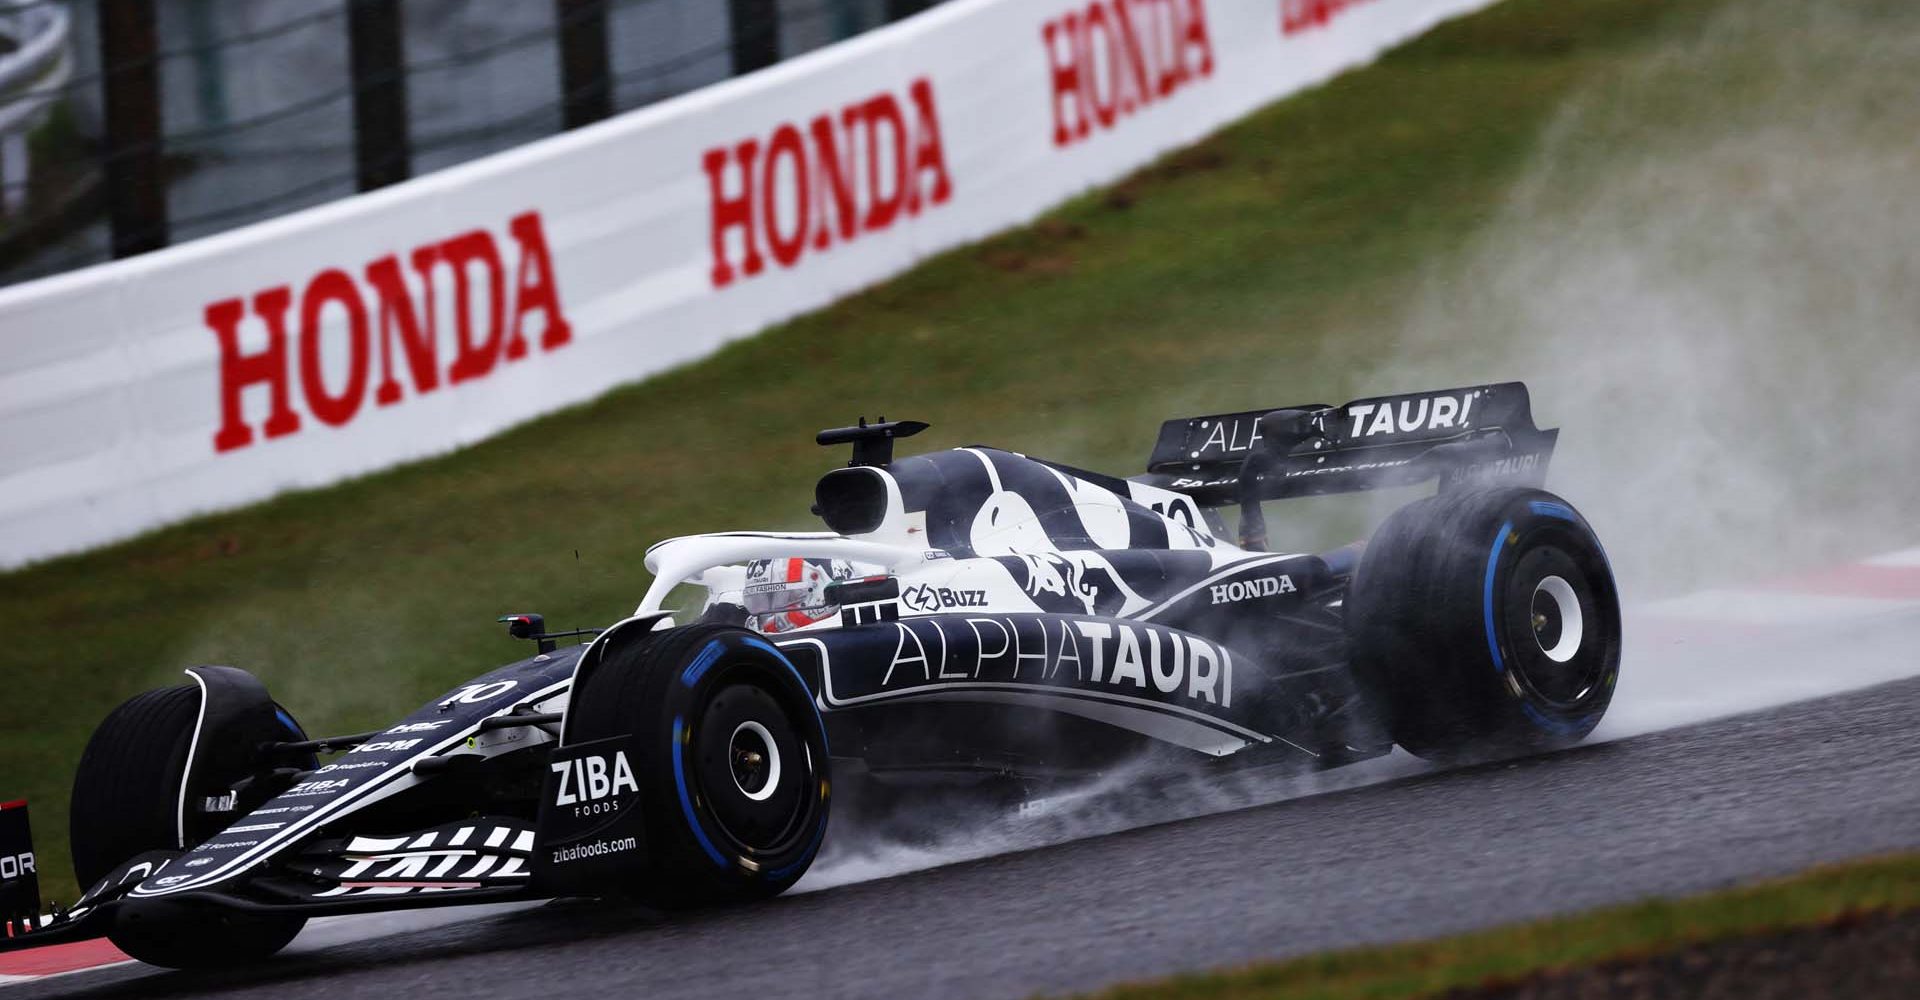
(1493, 565)
(686, 800)
(1545, 508)
(698, 668)
(691, 676)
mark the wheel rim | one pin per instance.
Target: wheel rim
(752, 765)
(1557, 620)
(755, 761)
(1554, 615)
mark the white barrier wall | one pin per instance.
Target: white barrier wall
(426, 316)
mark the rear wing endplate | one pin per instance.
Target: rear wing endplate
(1468, 436)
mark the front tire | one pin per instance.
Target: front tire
(1486, 624)
(731, 761)
(127, 801)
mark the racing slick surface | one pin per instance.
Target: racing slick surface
(1659, 809)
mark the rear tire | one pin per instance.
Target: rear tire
(732, 761)
(1486, 624)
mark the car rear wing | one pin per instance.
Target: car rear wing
(1467, 436)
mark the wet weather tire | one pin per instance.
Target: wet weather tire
(1486, 624)
(126, 790)
(126, 802)
(732, 761)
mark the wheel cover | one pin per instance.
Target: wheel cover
(1554, 621)
(755, 759)
(1557, 619)
(752, 766)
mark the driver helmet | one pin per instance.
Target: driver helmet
(782, 595)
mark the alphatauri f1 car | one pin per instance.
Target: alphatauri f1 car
(970, 615)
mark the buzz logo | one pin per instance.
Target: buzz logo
(13, 866)
(1243, 590)
(589, 779)
(1428, 413)
(925, 598)
(379, 745)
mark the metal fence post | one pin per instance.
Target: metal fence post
(586, 75)
(136, 178)
(383, 152)
(755, 25)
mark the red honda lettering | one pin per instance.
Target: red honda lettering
(810, 182)
(397, 316)
(1064, 70)
(238, 371)
(929, 156)
(788, 246)
(333, 296)
(534, 288)
(835, 184)
(733, 212)
(332, 285)
(473, 359)
(1148, 49)
(883, 205)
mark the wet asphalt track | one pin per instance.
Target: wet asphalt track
(1658, 813)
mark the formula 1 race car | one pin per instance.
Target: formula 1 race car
(971, 615)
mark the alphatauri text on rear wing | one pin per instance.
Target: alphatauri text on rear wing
(1466, 436)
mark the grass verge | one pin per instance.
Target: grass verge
(1502, 955)
(1261, 267)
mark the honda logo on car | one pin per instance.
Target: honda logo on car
(369, 314)
(1115, 57)
(857, 172)
(1241, 590)
(589, 779)
(1427, 413)
(926, 598)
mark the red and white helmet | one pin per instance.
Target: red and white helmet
(786, 594)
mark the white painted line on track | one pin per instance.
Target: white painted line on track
(1775, 608)
(12, 980)
(1905, 557)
